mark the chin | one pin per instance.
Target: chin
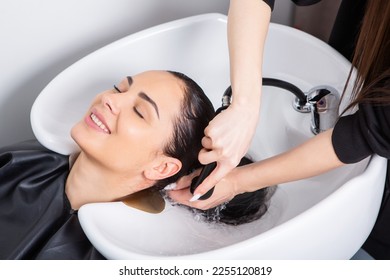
(87, 143)
(79, 135)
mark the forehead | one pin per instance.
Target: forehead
(166, 90)
(160, 79)
(158, 83)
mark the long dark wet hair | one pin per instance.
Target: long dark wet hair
(243, 208)
(196, 113)
(188, 130)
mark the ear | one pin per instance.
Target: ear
(163, 168)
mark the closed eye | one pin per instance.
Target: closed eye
(138, 113)
(117, 89)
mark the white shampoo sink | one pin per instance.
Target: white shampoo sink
(325, 217)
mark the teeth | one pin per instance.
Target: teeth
(96, 120)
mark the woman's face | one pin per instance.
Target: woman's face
(127, 126)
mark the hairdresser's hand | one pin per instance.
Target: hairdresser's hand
(227, 140)
(224, 191)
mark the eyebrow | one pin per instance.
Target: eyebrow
(130, 80)
(145, 97)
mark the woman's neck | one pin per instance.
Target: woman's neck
(90, 182)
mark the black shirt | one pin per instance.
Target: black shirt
(297, 2)
(356, 137)
(362, 134)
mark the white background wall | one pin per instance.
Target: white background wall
(40, 38)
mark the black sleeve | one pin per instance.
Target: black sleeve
(270, 3)
(297, 2)
(305, 2)
(366, 132)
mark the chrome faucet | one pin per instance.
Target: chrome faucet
(321, 102)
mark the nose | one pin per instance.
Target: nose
(111, 102)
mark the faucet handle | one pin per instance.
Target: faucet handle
(323, 101)
(317, 94)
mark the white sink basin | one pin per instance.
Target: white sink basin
(326, 217)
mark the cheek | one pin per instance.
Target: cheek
(131, 151)
(79, 132)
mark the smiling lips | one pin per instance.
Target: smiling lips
(99, 123)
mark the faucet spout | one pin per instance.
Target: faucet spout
(300, 95)
(321, 102)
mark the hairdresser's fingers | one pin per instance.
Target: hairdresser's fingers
(223, 192)
(185, 181)
(207, 156)
(182, 196)
(230, 134)
(207, 143)
(218, 173)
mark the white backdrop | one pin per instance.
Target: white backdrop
(40, 38)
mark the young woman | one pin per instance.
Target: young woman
(144, 132)
(354, 137)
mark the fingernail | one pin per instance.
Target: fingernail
(170, 187)
(195, 197)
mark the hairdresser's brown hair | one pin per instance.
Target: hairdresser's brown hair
(372, 57)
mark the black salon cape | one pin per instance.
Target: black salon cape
(36, 220)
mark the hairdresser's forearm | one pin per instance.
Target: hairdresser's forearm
(248, 22)
(312, 158)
